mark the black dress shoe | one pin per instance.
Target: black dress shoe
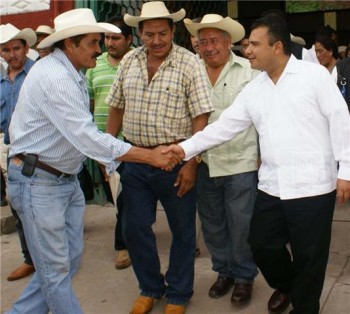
(278, 302)
(221, 286)
(242, 293)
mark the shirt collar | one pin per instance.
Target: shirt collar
(170, 59)
(61, 56)
(27, 65)
(292, 66)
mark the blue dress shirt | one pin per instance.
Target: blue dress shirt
(9, 94)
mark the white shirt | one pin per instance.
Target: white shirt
(303, 125)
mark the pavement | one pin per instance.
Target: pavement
(102, 289)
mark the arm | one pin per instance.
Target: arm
(154, 157)
(114, 121)
(187, 175)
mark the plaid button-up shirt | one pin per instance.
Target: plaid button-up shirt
(162, 110)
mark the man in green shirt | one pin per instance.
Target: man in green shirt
(99, 81)
(227, 177)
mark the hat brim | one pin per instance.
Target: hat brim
(26, 34)
(135, 20)
(230, 26)
(77, 30)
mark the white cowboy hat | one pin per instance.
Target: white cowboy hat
(153, 10)
(297, 40)
(9, 32)
(230, 26)
(44, 29)
(76, 22)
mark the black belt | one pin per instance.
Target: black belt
(45, 167)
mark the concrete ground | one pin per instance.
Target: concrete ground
(102, 289)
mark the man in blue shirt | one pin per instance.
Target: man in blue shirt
(14, 46)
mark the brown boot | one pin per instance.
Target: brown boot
(174, 309)
(122, 260)
(22, 271)
(142, 305)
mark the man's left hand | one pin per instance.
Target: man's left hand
(343, 191)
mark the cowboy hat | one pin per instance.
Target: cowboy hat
(76, 22)
(297, 40)
(44, 29)
(153, 10)
(230, 26)
(9, 32)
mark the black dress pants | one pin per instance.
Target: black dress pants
(304, 223)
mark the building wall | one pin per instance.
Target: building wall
(32, 13)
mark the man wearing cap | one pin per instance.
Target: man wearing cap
(160, 96)
(226, 178)
(14, 46)
(51, 133)
(42, 32)
(99, 81)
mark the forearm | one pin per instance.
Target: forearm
(137, 154)
(114, 121)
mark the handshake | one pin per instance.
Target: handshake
(167, 157)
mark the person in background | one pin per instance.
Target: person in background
(341, 51)
(42, 32)
(244, 45)
(227, 176)
(159, 96)
(14, 46)
(327, 53)
(194, 40)
(51, 133)
(99, 81)
(299, 180)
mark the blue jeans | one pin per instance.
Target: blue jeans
(51, 209)
(225, 207)
(143, 185)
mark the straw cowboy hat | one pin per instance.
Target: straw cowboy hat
(76, 22)
(9, 32)
(44, 29)
(230, 26)
(153, 10)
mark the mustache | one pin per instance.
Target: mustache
(96, 55)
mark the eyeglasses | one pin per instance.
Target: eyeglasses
(206, 42)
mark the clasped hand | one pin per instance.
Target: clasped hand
(167, 157)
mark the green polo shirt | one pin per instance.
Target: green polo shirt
(99, 81)
(240, 154)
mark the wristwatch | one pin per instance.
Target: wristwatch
(198, 159)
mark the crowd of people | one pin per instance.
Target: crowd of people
(213, 131)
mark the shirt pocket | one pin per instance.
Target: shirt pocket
(172, 105)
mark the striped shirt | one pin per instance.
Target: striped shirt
(52, 119)
(161, 111)
(99, 81)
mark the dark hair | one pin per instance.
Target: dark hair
(118, 21)
(170, 22)
(328, 44)
(24, 42)
(326, 31)
(277, 30)
(75, 39)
